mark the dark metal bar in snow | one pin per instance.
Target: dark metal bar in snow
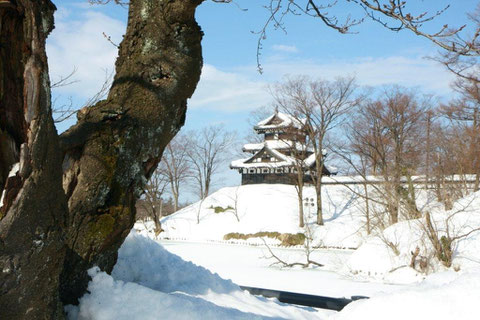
(303, 299)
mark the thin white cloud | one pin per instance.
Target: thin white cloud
(285, 48)
(245, 89)
(78, 42)
(227, 91)
(427, 75)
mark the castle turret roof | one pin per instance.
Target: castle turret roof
(279, 120)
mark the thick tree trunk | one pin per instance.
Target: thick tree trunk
(116, 144)
(318, 186)
(46, 243)
(33, 209)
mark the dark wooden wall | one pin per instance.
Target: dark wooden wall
(271, 178)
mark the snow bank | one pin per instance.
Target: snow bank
(147, 263)
(446, 295)
(150, 283)
(115, 299)
(377, 257)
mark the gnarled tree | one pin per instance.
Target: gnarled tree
(45, 247)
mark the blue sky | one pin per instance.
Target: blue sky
(231, 86)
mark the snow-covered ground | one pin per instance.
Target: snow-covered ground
(148, 282)
(444, 295)
(271, 208)
(251, 266)
(151, 282)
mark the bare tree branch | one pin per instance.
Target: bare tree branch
(65, 80)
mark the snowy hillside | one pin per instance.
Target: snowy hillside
(461, 224)
(250, 209)
(272, 208)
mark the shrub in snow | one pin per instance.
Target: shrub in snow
(220, 209)
(439, 239)
(286, 239)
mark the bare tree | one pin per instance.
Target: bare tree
(235, 199)
(321, 106)
(308, 249)
(462, 50)
(207, 151)
(444, 238)
(429, 118)
(450, 162)
(176, 166)
(388, 133)
(153, 197)
(463, 115)
(373, 191)
(298, 152)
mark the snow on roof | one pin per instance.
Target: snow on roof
(274, 144)
(284, 161)
(286, 121)
(333, 170)
(310, 160)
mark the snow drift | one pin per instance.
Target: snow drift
(377, 256)
(148, 282)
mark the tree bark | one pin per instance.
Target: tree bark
(34, 208)
(318, 191)
(299, 189)
(319, 165)
(116, 144)
(51, 232)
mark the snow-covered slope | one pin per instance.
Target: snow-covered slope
(148, 282)
(274, 208)
(442, 296)
(265, 207)
(377, 256)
